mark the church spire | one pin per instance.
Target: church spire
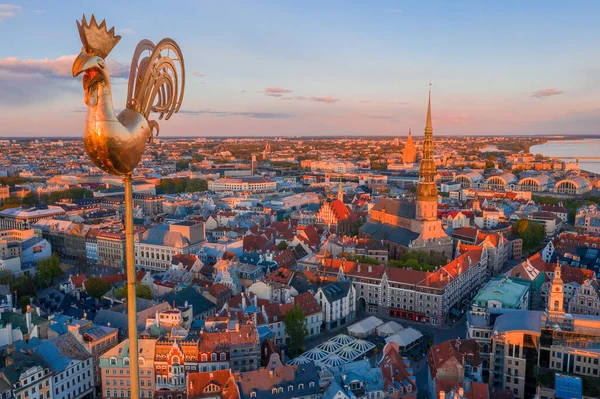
(427, 189)
(340, 194)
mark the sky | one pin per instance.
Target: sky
(320, 68)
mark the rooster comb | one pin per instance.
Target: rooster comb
(97, 39)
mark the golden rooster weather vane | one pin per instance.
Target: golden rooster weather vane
(115, 143)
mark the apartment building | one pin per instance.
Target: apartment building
(97, 340)
(72, 365)
(115, 370)
(29, 376)
(152, 205)
(427, 297)
(338, 303)
(256, 184)
(4, 193)
(111, 249)
(156, 247)
(23, 218)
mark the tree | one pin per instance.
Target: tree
(49, 269)
(96, 287)
(282, 246)
(295, 327)
(532, 233)
(141, 291)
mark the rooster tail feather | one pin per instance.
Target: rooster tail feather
(156, 79)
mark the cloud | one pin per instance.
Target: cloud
(23, 91)
(198, 74)
(547, 93)
(60, 67)
(326, 99)
(276, 90)
(259, 115)
(126, 31)
(8, 11)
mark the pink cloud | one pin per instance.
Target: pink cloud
(60, 67)
(197, 74)
(276, 90)
(326, 99)
(547, 93)
(8, 11)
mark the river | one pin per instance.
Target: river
(572, 148)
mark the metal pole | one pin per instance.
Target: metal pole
(134, 366)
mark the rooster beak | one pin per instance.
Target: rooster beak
(83, 62)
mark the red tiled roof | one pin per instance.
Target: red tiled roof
(222, 383)
(452, 356)
(570, 274)
(281, 275)
(218, 289)
(308, 303)
(398, 372)
(78, 280)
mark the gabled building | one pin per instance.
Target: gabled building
(115, 366)
(454, 361)
(211, 385)
(72, 365)
(288, 382)
(398, 376)
(337, 302)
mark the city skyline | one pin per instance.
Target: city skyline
(255, 69)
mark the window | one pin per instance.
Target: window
(253, 394)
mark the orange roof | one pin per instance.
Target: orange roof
(452, 356)
(308, 303)
(221, 383)
(78, 280)
(218, 289)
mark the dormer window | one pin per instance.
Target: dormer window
(300, 386)
(253, 394)
(113, 361)
(274, 391)
(311, 384)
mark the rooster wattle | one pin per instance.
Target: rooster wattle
(115, 143)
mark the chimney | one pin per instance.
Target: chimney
(271, 373)
(461, 392)
(28, 319)
(442, 395)
(370, 268)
